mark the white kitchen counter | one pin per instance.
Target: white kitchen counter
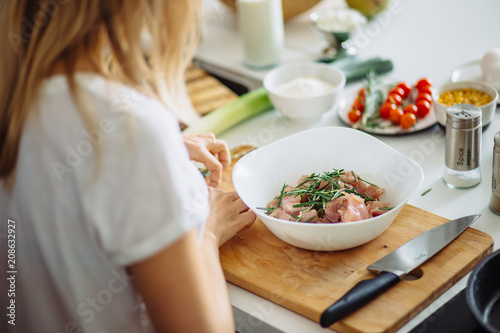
(422, 38)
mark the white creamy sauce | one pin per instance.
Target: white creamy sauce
(305, 86)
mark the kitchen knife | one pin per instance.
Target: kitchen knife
(394, 266)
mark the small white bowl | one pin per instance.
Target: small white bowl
(306, 106)
(259, 176)
(488, 110)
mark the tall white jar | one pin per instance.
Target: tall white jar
(261, 28)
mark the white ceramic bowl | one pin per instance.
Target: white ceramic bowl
(259, 176)
(304, 107)
(488, 110)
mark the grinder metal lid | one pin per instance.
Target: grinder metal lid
(463, 116)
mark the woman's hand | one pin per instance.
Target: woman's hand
(213, 153)
(228, 215)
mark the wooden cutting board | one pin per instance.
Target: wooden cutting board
(206, 92)
(307, 282)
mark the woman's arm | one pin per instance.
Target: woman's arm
(184, 289)
(183, 286)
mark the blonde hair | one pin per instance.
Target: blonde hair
(39, 34)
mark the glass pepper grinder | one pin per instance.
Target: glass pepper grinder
(463, 146)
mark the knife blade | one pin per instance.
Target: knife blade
(394, 266)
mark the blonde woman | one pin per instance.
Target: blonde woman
(111, 228)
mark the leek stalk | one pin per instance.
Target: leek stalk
(247, 106)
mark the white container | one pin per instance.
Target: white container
(259, 175)
(299, 106)
(488, 110)
(261, 28)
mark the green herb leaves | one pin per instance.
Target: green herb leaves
(317, 190)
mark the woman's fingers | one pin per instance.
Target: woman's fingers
(228, 215)
(249, 218)
(220, 149)
(213, 153)
(215, 167)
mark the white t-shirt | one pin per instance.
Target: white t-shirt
(75, 234)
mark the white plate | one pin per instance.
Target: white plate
(469, 72)
(387, 127)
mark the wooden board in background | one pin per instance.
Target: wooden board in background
(307, 282)
(206, 92)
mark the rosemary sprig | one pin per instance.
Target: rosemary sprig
(425, 192)
(317, 190)
(268, 210)
(373, 100)
(280, 197)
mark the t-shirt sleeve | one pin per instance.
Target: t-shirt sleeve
(147, 192)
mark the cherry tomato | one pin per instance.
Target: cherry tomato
(422, 83)
(395, 98)
(359, 103)
(423, 108)
(361, 92)
(407, 120)
(354, 115)
(425, 97)
(411, 108)
(397, 90)
(396, 115)
(425, 90)
(406, 88)
(385, 110)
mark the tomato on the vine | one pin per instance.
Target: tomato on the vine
(395, 99)
(424, 96)
(359, 103)
(354, 115)
(411, 108)
(361, 93)
(399, 91)
(404, 104)
(423, 83)
(423, 108)
(407, 120)
(385, 110)
(425, 90)
(396, 115)
(406, 88)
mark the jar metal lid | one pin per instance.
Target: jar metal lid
(463, 116)
(497, 139)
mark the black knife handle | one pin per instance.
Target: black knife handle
(362, 293)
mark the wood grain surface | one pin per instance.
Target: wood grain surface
(206, 92)
(307, 282)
